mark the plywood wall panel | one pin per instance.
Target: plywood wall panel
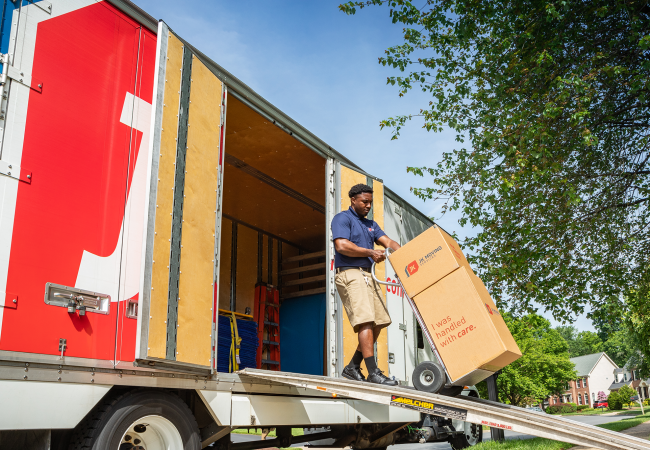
(349, 178)
(157, 342)
(196, 280)
(378, 216)
(287, 252)
(265, 259)
(246, 267)
(266, 147)
(256, 203)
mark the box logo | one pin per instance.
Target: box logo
(411, 268)
(488, 308)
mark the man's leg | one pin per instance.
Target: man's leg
(368, 335)
(370, 349)
(362, 335)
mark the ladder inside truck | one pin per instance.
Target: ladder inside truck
(469, 409)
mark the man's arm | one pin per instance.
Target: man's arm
(347, 248)
(387, 242)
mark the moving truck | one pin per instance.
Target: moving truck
(152, 207)
(166, 264)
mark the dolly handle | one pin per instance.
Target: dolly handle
(374, 277)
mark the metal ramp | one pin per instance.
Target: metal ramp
(469, 409)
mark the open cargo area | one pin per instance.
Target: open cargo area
(273, 238)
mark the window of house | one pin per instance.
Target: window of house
(584, 382)
(636, 374)
(593, 396)
(579, 399)
(586, 398)
(578, 382)
(625, 377)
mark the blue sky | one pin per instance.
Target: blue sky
(320, 67)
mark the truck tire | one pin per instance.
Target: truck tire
(144, 418)
(473, 435)
(429, 377)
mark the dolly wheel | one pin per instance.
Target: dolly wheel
(429, 377)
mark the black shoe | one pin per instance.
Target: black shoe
(378, 377)
(353, 373)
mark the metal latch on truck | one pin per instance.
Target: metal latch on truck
(18, 75)
(77, 300)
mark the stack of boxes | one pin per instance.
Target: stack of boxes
(452, 303)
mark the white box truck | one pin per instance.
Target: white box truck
(152, 207)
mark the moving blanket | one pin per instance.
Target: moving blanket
(247, 330)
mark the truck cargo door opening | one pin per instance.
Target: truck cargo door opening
(272, 272)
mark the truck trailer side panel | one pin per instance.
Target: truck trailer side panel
(82, 137)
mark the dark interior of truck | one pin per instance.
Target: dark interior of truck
(272, 263)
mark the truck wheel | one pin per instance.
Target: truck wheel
(429, 377)
(473, 435)
(141, 419)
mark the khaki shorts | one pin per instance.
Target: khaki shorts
(362, 301)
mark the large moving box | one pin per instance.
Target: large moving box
(454, 306)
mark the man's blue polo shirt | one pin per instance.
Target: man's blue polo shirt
(360, 231)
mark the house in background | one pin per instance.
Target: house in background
(595, 373)
(629, 376)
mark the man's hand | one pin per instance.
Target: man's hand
(387, 242)
(348, 248)
(377, 255)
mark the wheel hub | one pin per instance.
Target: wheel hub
(151, 433)
(426, 377)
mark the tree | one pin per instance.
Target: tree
(544, 367)
(626, 392)
(620, 347)
(614, 401)
(601, 397)
(580, 342)
(550, 102)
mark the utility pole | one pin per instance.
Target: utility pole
(496, 434)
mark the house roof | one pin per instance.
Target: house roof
(585, 364)
(616, 386)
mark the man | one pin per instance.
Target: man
(354, 238)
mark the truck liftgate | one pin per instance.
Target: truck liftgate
(474, 410)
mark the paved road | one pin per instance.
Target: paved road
(591, 420)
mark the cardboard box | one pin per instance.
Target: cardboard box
(469, 333)
(426, 259)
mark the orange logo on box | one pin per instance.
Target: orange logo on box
(488, 308)
(411, 269)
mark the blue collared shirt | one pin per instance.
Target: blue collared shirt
(362, 232)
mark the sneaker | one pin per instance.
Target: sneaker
(378, 377)
(353, 373)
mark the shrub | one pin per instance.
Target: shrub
(646, 402)
(582, 407)
(562, 408)
(614, 401)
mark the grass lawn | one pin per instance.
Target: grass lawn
(623, 412)
(547, 444)
(624, 424)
